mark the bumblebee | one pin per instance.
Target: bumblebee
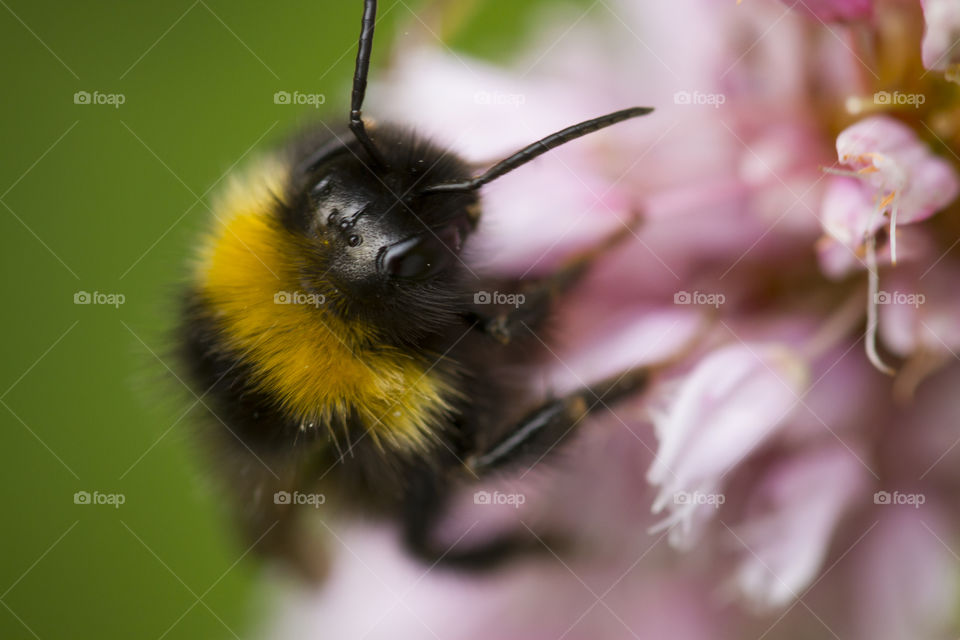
(332, 333)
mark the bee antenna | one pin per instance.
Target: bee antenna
(360, 82)
(531, 151)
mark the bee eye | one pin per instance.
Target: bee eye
(415, 258)
(323, 188)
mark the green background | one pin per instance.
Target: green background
(97, 198)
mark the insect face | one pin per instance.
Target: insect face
(371, 240)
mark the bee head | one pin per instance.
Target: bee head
(377, 225)
(370, 237)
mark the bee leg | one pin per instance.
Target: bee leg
(547, 426)
(532, 438)
(423, 509)
(539, 295)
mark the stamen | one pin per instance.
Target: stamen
(873, 290)
(859, 173)
(873, 156)
(893, 228)
(877, 211)
(841, 172)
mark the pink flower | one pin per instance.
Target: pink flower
(900, 175)
(941, 36)
(920, 311)
(920, 321)
(725, 408)
(846, 218)
(790, 521)
(900, 179)
(907, 571)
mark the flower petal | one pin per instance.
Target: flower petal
(941, 38)
(920, 312)
(906, 577)
(891, 159)
(727, 406)
(796, 509)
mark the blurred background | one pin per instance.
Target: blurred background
(102, 194)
